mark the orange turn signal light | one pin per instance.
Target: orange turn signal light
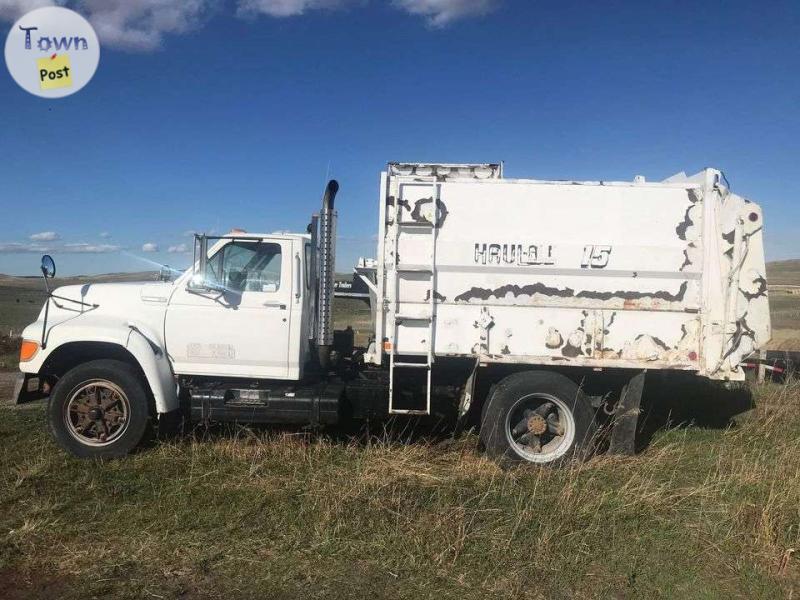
(28, 350)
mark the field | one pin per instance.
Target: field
(701, 513)
(784, 304)
(710, 508)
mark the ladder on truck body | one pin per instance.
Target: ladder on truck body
(399, 320)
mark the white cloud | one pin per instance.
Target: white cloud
(149, 247)
(177, 249)
(18, 248)
(288, 8)
(45, 236)
(11, 10)
(142, 24)
(439, 13)
(84, 248)
(126, 24)
(74, 248)
(105, 235)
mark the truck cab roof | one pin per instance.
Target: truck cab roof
(282, 235)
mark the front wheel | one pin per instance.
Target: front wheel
(539, 417)
(99, 410)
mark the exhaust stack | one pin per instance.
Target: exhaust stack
(327, 260)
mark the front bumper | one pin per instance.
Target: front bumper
(27, 387)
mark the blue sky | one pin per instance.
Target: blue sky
(208, 115)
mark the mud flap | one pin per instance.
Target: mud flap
(623, 435)
(465, 402)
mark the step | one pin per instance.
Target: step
(412, 365)
(413, 269)
(400, 411)
(421, 224)
(411, 318)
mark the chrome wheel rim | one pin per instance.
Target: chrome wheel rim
(97, 413)
(540, 427)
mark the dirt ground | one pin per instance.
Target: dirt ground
(7, 379)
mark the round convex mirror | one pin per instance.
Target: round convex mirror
(48, 266)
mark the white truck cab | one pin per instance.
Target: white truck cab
(256, 323)
(244, 314)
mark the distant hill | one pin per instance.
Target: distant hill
(784, 272)
(32, 281)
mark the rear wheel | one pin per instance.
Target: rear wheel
(538, 417)
(99, 410)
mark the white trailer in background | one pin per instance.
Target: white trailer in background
(504, 299)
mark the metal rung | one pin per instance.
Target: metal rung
(411, 318)
(413, 269)
(425, 224)
(399, 411)
(412, 365)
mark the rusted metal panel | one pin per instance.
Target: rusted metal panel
(629, 274)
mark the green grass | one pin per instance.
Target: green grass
(702, 513)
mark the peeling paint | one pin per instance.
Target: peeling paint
(685, 229)
(436, 296)
(691, 254)
(743, 332)
(441, 210)
(643, 347)
(661, 295)
(685, 224)
(579, 342)
(476, 293)
(553, 339)
(756, 288)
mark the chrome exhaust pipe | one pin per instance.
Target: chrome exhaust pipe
(327, 265)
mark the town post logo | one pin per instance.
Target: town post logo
(52, 52)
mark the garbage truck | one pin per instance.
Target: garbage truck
(521, 306)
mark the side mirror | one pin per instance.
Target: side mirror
(198, 282)
(48, 266)
(165, 274)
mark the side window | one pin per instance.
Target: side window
(214, 267)
(247, 267)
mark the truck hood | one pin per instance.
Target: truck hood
(115, 296)
(143, 305)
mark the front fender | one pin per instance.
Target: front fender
(156, 367)
(139, 342)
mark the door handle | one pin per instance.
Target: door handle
(279, 305)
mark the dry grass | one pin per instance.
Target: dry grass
(269, 513)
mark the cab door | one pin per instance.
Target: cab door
(243, 329)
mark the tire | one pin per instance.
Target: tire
(111, 429)
(525, 415)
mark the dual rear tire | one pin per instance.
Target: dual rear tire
(538, 417)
